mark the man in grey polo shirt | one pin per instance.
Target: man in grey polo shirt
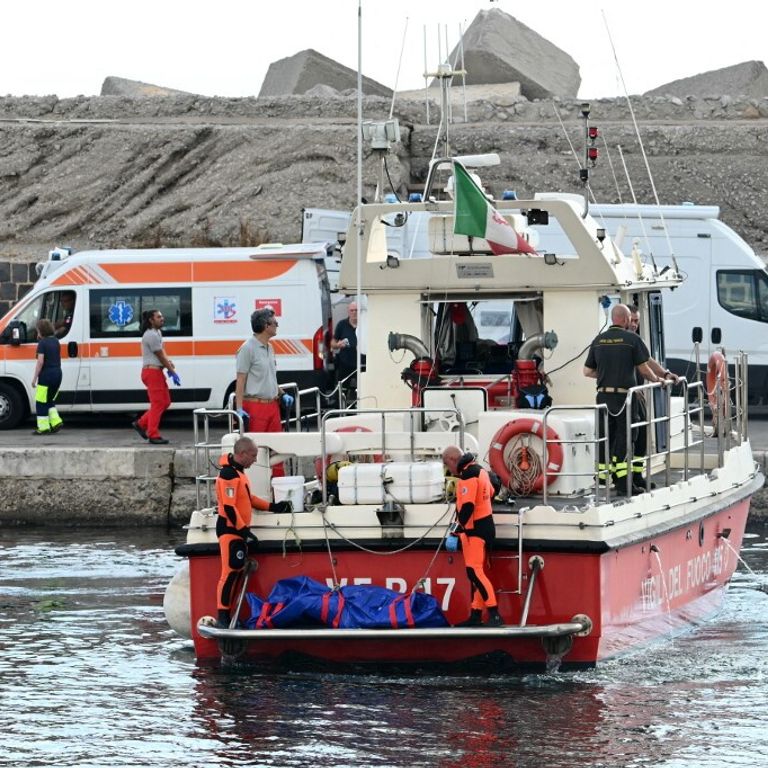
(257, 393)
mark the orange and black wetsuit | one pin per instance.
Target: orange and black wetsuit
(235, 503)
(476, 530)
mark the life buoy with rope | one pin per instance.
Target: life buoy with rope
(523, 471)
(717, 374)
(334, 458)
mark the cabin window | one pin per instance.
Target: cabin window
(483, 337)
(117, 313)
(744, 293)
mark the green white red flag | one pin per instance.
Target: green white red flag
(476, 217)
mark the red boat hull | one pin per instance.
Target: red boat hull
(633, 594)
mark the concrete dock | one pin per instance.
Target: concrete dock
(98, 472)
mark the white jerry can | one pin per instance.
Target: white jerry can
(409, 482)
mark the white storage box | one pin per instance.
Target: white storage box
(404, 481)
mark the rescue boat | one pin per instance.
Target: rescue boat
(582, 573)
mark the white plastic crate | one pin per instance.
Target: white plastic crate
(404, 481)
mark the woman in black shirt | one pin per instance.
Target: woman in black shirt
(47, 379)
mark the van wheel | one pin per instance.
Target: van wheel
(12, 409)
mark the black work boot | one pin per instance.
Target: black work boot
(494, 618)
(224, 619)
(475, 619)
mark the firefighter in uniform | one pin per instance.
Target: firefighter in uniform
(235, 504)
(476, 531)
(613, 359)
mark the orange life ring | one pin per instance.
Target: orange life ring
(330, 458)
(717, 373)
(518, 427)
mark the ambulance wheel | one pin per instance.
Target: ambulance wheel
(12, 409)
(230, 392)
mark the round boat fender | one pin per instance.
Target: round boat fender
(518, 427)
(717, 372)
(320, 468)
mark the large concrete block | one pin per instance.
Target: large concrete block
(750, 78)
(298, 73)
(501, 94)
(500, 49)
(118, 86)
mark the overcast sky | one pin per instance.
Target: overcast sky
(224, 47)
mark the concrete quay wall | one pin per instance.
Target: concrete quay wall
(104, 487)
(129, 487)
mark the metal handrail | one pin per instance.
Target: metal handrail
(203, 448)
(601, 438)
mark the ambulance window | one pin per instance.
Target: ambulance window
(30, 315)
(116, 314)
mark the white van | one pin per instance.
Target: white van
(207, 297)
(725, 291)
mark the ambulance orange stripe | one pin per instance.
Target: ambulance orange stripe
(239, 271)
(149, 272)
(199, 272)
(174, 348)
(71, 277)
(111, 348)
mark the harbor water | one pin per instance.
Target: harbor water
(90, 675)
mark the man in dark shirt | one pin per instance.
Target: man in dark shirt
(344, 346)
(613, 359)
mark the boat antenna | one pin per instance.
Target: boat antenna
(358, 207)
(613, 170)
(397, 75)
(426, 77)
(463, 70)
(634, 200)
(642, 147)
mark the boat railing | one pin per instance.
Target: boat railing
(299, 418)
(665, 427)
(598, 443)
(415, 426)
(679, 430)
(207, 451)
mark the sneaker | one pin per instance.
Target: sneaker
(56, 428)
(158, 441)
(142, 433)
(41, 431)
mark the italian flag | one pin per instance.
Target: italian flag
(476, 217)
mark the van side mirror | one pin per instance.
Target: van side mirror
(716, 335)
(697, 335)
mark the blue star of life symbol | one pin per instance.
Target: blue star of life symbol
(120, 313)
(226, 308)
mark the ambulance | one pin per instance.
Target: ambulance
(207, 296)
